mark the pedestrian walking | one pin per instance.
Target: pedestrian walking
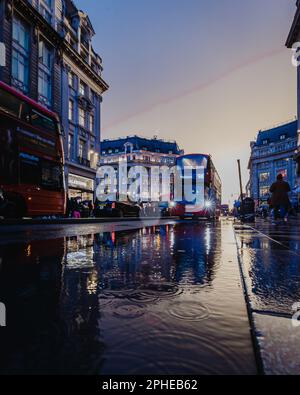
(280, 200)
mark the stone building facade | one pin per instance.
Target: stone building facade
(50, 58)
(140, 151)
(273, 153)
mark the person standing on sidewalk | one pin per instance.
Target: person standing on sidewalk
(280, 200)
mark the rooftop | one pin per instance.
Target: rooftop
(142, 143)
(276, 134)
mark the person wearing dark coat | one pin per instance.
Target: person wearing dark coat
(280, 196)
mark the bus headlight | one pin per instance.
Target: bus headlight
(208, 204)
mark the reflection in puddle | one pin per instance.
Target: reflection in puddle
(143, 301)
(272, 265)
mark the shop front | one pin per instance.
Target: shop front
(81, 187)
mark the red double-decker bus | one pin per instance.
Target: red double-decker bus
(32, 181)
(212, 189)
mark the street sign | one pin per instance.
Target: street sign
(2, 54)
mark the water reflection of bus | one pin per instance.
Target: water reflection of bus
(31, 158)
(212, 189)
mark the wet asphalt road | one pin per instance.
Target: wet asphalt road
(117, 299)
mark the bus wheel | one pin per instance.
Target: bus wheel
(15, 209)
(11, 211)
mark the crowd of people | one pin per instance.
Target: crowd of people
(77, 208)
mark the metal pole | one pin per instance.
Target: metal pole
(241, 188)
(2, 54)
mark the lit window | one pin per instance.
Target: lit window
(82, 117)
(71, 110)
(81, 148)
(264, 192)
(92, 123)
(82, 88)
(71, 146)
(264, 177)
(71, 79)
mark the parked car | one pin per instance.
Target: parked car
(116, 209)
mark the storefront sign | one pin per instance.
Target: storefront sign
(81, 183)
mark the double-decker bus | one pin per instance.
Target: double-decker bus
(212, 189)
(32, 181)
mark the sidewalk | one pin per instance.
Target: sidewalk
(270, 263)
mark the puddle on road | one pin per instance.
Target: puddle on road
(160, 300)
(272, 266)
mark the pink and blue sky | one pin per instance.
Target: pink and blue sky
(207, 73)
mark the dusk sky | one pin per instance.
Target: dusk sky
(207, 73)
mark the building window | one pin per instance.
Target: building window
(264, 177)
(264, 192)
(283, 172)
(82, 88)
(92, 123)
(20, 55)
(82, 117)
(45, 73)
(264, 165)
(71, 110)
(81, 149)
(281, 163)
(45, 8)
(71, 146)
(94, 97)
(71, 79)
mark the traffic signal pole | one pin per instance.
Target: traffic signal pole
(241, 189)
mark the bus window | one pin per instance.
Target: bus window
(52, 176)
(43, 122)
(29, 169)
(9, 103)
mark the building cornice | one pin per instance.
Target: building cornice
(84, 66)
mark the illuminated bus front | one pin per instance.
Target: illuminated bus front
(202, 179)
